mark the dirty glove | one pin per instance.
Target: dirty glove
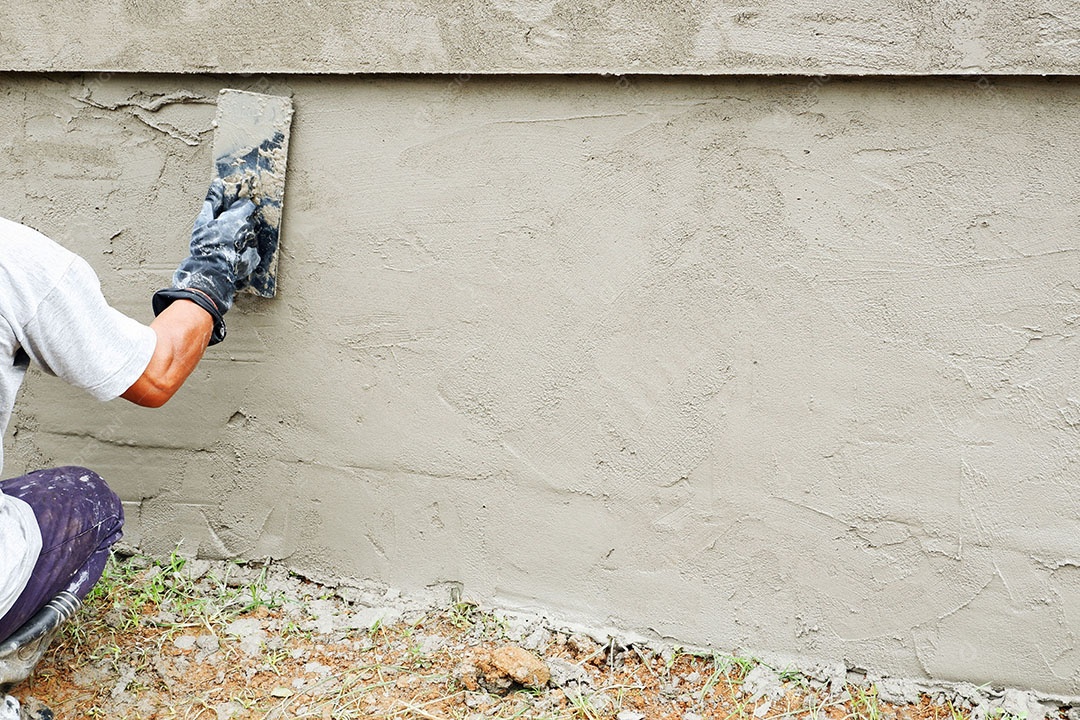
(223, 256)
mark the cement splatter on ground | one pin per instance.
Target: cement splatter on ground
(218, 641)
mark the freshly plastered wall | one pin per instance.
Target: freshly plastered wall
(782, 364)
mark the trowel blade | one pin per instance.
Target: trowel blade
(251, 145)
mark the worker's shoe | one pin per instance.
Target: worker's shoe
(34, 709)
(10, 709)
(22, 651)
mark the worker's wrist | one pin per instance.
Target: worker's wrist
(205, 295)
(165, 297)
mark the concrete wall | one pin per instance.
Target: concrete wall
(912, 37)
(785, 365)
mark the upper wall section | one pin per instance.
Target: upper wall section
(851, 37)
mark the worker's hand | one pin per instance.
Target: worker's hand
(223, 255)
(223, 247)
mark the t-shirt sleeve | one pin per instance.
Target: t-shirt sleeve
(76, 335)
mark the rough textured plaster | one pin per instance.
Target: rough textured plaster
(549, 36)
(786, 366)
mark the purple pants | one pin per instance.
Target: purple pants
(80, 518)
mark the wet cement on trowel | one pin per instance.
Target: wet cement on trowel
(783, 366)
(251, 146)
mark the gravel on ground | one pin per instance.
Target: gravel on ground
(177, 638)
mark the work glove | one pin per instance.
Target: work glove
(223, 255)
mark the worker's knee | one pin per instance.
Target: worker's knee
(78, 485)
(69, 501)
(79, 518)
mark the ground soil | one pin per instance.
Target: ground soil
(218, 641)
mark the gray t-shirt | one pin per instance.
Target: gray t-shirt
(52, 313)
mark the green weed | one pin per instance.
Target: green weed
(864, 703)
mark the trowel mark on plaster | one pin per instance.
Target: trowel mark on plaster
(386, 335)
(407, 253)
(150, 103)
(957, 644)
(73, 162)
(904, 555)
(976, 496)
(143, 107)
(890, 271)
(123, 443)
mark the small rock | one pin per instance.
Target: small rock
(228, 710)
(279, 586)
(367, 618)
(322, 614)
(832, 674)
(515, 627)
(468, 675)
(763, 682)
(195, 569)
(243, 627)
(972, 694)
(251, 635)
(184, 642)
(897, 692)
(601, 702)
(582, 644)
(209, 643)
(351, 595)
(537, 640)
(503, 667)
(763, 709)
(564, 672)
(240, 576)
(630, 715)
(281, 692)
(691, 716)
(1023, 704)
(431, 644)
(317, 669)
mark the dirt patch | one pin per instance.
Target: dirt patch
(218, 641)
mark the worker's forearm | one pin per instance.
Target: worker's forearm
(183, 332)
